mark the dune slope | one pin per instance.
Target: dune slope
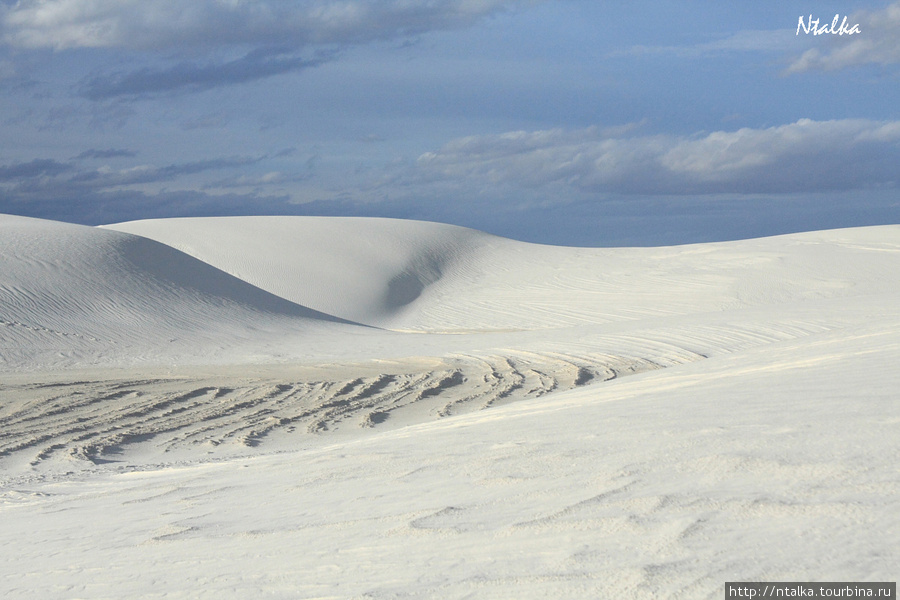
(74, 295)
(419, 276)
(363, 269)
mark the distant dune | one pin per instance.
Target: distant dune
(364, 269)
(433, 277)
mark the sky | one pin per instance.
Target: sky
(572, 122)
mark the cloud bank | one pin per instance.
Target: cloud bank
(205, 44)
(52, 189)
(805, 156)
(165, 24)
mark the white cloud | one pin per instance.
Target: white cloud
(878, 42)
(204, 44)
(168, 24)
(753, 40)
(803, 156)
(774, 40)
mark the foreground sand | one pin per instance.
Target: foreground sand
(329, 408)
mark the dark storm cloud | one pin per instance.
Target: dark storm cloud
(46, 188)
(39, 167)
(37, 181)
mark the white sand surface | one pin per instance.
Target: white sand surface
(369, 408)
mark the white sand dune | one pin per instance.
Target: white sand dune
(365, 270)
(72, 295)
(195, 413)
(433, 277)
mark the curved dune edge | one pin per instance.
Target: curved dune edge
(73, 296)
(430, 277)
(368, 270)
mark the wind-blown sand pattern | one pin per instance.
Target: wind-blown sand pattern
(94, 419)
(368, 408)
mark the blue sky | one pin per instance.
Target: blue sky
(577, 122)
